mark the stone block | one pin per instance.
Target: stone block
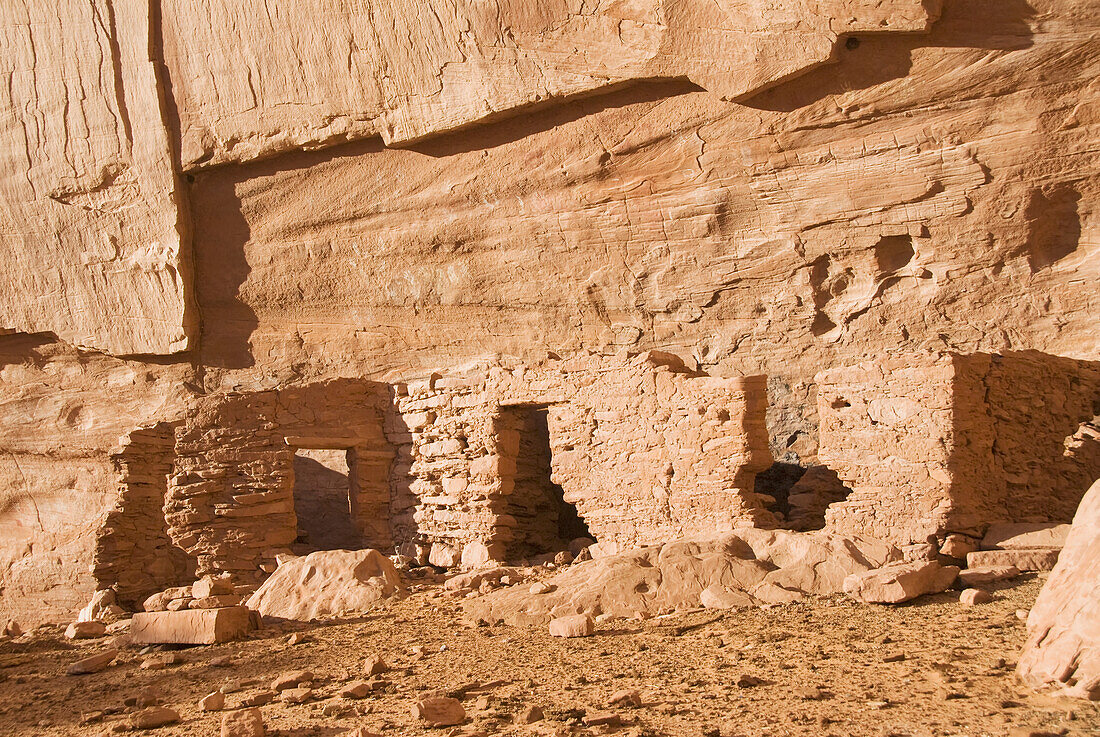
(191, 626)
(1034, 559)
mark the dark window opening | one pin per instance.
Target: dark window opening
(322, 501)
(546, 523)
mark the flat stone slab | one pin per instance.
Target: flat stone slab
(191, 626)
(1013, 535)
(1034, 559)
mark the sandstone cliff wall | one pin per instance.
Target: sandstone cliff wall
(832, 181)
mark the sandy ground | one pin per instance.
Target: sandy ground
(826, 666)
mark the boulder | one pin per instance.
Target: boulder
(900, 582)
(1063, 645)
(326, 583)
(577, 625)
(1010, 535)
(191, 626)
(674, 575)
(1024, 559)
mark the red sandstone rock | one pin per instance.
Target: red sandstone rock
(153, 717)
(327, 582)
(439, 711)
(85, 630)
(243, 723)
(291, 679)
(978, 576)
(900, 582)
(92, 663)
(1009, 535)
(1063, 645)
(973, 597)
(577, 625)
(1024, 559)
(214, 701)
(191, 626)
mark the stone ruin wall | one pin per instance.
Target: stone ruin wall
(134, 554)
(230, 501)
(644, 450)
(931, 444)
(923, 191)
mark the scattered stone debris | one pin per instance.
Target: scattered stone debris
(153, 717)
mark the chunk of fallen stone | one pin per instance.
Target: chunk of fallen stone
(973, 597)
(899, 582)
(439, 711)
(298, 695)
(243, 723)
(971, 577)
(576, 625)
(374, 666)
(356, 690)
(85, 630)
(608, 719)
(530, 715)
(291, 679)
(153, 717)
(191, 626)
(259, 698)
(160, 661)
(92, 663)
(214, 701)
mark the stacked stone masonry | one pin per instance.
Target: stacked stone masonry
(934, 444)
(499, 460)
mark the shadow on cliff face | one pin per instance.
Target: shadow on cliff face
(220, 234)
(864, 61)
(520, 123)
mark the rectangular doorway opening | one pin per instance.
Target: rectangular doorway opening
(323, 497)
(546, 523)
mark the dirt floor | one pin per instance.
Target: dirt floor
(825, 666)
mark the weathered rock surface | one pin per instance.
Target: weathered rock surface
(1063, 645)
(91, 241)
(898, 582)
(470, 64)
(325, 583)
(753, 564)
(924, 192)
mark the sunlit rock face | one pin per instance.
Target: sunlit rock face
(202, 198)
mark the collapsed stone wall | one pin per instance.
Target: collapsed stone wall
(134, 554)
(937, 443)
(230, 498)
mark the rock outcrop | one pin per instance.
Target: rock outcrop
(1063, 646)
(327, 583)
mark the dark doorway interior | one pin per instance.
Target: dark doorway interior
(322, 501)
(547, 523)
